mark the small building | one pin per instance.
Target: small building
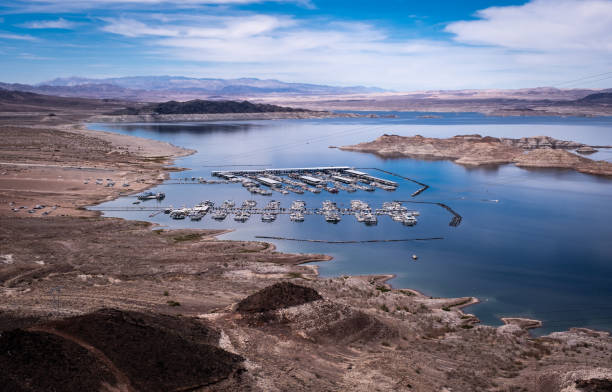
(367, 177)
(345, 180)
(312, 180)
(355, 173)
(269, 182)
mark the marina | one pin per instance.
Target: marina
(332, 179)
(296, 212)
(490, 269)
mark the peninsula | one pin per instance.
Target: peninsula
(476, 150)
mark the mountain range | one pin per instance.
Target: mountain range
(161, 88)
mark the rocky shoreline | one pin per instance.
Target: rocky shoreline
(194, 311)
(476, 150)
(224, 116)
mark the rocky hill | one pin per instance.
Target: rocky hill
(475, 150)
(206, 107)
(600, 98)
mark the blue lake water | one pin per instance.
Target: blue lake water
(543, 251)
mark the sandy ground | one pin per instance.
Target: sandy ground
(66, 168)
(361, 335)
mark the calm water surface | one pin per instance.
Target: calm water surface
(543, 251)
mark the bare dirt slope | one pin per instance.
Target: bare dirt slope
(67, 167)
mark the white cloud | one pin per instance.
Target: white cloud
(135, 28)
(31, 6)
(542, 42)
(222, 27)
(60, 23)
(20, 37)
(30, 56)
(543, 25)
(325, 51)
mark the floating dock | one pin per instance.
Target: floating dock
(282, 171)
(305, 178)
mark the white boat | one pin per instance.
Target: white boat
(298, 205)
(242, 217)
(180, 213)
(296, 217)
(219, 215)
(409, 220)
(332, 217)
(151, 196)
(250, 203)
(196, 216)
(370, 219)
(268, 217)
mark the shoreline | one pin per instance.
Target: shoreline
(170, 153)
(203, 117)
(396, 339)
(383, 279)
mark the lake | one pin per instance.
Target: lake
(532, 243)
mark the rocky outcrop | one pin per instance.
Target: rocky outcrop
(563, 160)
(586, 150)
(464, 149)
(127, 350)
(476, 150)
(278, 296)
(535, 142)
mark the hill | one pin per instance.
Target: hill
(598, 98)
(198, 106)
(21, 101)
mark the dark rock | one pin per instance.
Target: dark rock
(278, 296)
(594, 385)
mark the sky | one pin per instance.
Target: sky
(397, 45)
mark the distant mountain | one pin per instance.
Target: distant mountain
(598, 98)
(95, 91)
(211, 86)
(21, 101)
(206, 107)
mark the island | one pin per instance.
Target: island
(477, 150)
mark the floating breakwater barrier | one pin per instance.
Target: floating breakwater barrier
(455, 221)
(423, 188)
(348, 241)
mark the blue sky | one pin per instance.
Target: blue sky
(399, 45)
